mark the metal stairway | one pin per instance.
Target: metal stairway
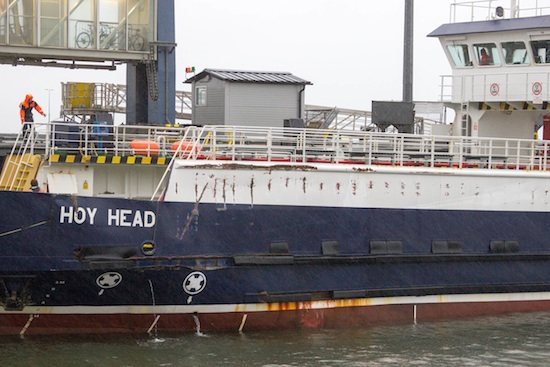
(21, 164)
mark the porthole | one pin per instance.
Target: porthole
(148, 248)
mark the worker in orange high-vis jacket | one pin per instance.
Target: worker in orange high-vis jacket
(26, 111)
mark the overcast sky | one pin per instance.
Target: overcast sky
(351, 50)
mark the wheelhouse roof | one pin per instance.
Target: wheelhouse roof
(496, 25)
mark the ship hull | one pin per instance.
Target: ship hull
(255, 247)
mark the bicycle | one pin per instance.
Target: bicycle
(135, 42)
(109, 38)
(85, 39)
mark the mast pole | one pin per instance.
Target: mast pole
(408, 53)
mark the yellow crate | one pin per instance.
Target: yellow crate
(80, 95)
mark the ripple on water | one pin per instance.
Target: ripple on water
(513, 340)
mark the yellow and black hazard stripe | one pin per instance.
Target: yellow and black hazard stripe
(506, 107)
(108, 159)
(503, 106)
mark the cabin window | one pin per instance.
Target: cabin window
(200, 96)
(460, 55)
(515, 53)
(541, 50)
(487, 54)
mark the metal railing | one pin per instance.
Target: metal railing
(349, 147)
(105, 97)
(235, 143)
(476, 10)
(100, 139)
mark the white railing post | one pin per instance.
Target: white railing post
(269, 143)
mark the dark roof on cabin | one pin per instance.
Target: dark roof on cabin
(267, 77)
(496, 25)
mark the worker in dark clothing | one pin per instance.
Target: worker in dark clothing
(26, 111)
(35, 187)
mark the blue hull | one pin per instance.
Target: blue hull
(120, 259)
(233, 248)
(306, 280)
(39, 231)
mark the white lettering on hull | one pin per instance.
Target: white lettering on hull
(114, 217)
(129, 218)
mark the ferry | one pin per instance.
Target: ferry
(237, 228)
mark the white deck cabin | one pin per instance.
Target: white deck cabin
(500, 82)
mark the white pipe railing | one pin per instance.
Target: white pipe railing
(237, 143)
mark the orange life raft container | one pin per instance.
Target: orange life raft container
(145, 147)
(186, 147)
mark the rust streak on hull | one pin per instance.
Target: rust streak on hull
(292, 318)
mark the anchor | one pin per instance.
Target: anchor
(15, 292)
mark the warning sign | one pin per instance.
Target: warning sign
(494, 89)
(537, 88)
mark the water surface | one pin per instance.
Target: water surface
(512, 340)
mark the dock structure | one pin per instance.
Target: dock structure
(100, 35)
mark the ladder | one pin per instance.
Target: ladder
(21, 165)
(329, 118)
(152, 74)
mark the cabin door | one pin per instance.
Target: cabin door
(466, 130)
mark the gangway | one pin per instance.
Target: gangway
(22, 163)
(80, 100)
(335, 118)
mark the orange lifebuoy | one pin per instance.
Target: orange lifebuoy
(145, 147)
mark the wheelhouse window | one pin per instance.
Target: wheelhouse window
(200, 96)
(541, 50)
(515, 53)
(460, 55)
(487, 54)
